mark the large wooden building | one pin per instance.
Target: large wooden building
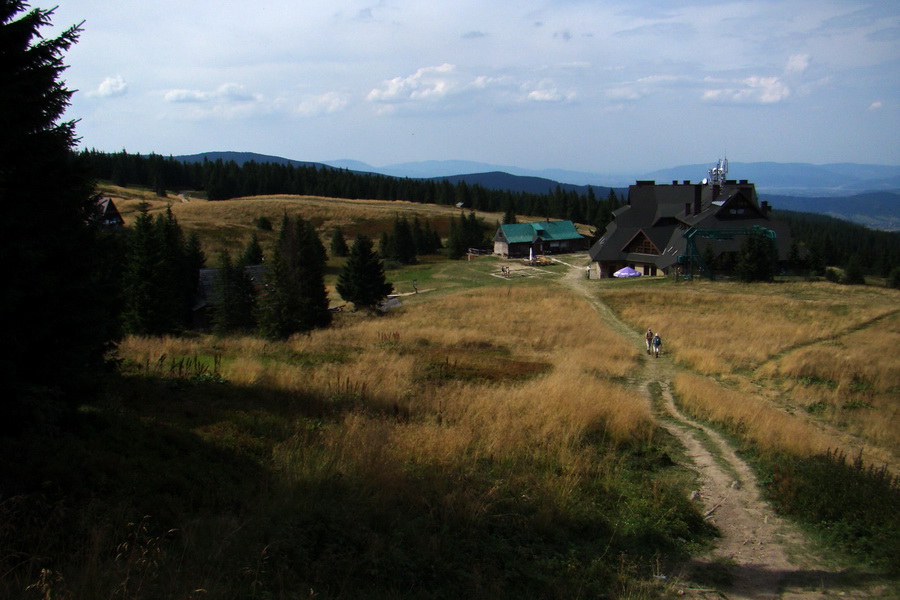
(539, 237)
(648, 233)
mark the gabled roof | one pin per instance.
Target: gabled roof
(550, 231)
(662, 213)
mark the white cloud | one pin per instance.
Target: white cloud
(323, 104)
(875, 105)
(110, 87)
(228, 92)
(797, 64)
(426, 83)
(751, 90)
(546, 91)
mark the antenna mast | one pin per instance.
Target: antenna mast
(719, 173)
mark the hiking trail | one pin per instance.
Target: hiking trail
(758, 554)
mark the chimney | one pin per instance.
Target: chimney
(716, 189)
(765, 207)
(697, 190)
(687, 208)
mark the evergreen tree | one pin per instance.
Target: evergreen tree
(456, 242)
(385, 246)
(402, 243)
(235, 305)
(58, 295)
(509, 213)
(756, 259)
(296, 299)
(362, 280)
(339, 246)
(142, 312)
(853, 273)
(253, 252)
(893, 280)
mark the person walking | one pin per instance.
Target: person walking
(649, 338)
(657, 342)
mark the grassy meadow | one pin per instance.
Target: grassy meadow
(487, 439)
(483, 440)
(804, 376)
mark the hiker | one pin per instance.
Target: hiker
(657, 342)
(649, 338)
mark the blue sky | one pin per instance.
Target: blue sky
(599, 86)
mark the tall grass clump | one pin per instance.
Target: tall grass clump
(854, 505)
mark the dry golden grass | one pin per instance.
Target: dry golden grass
(227, 224)
(852, 381)
(806, 363)
(753, 417)
(426, 385)
(725, 328)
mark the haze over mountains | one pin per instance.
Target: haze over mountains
(863, 193)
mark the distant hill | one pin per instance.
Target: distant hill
(241, 158)
(861, 193)
(436, 169)
(498, 180)
(876, 210)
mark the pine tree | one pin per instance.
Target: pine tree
(235, 298)
(253, 252)
(756, 259)
(402, 242)
(509, 214)
(339, 246)
(362, 280)
(296, 299)
(853, 273)
(142, 313)
(57, 296)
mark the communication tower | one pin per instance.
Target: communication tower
(719, 173)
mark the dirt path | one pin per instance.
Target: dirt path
(759, 555)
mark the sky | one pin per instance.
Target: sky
(586, 85)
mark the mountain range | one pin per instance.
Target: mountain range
(862, 193)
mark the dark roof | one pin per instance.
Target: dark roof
(664, 212)
(208, 294)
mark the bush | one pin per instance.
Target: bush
(832, 275)
(825, 491)
(893, 280)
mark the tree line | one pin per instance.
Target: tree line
(222, 180)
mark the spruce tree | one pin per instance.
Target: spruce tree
(253, 252)
(339, 246)
(402, 243)
(143, 314)
(756, 259)
(362, 280)
(235, 305)
(57, 297)
(296, 299)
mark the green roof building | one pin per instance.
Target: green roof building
(540, 237)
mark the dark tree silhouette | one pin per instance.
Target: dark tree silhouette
(58, 288)
(362, 280)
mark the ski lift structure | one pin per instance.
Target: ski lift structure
(693, 259)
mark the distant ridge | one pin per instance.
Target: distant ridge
(241, 158)
(865, 194)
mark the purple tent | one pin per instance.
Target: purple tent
(626, 272)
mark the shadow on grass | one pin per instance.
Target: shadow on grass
(756, 581)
